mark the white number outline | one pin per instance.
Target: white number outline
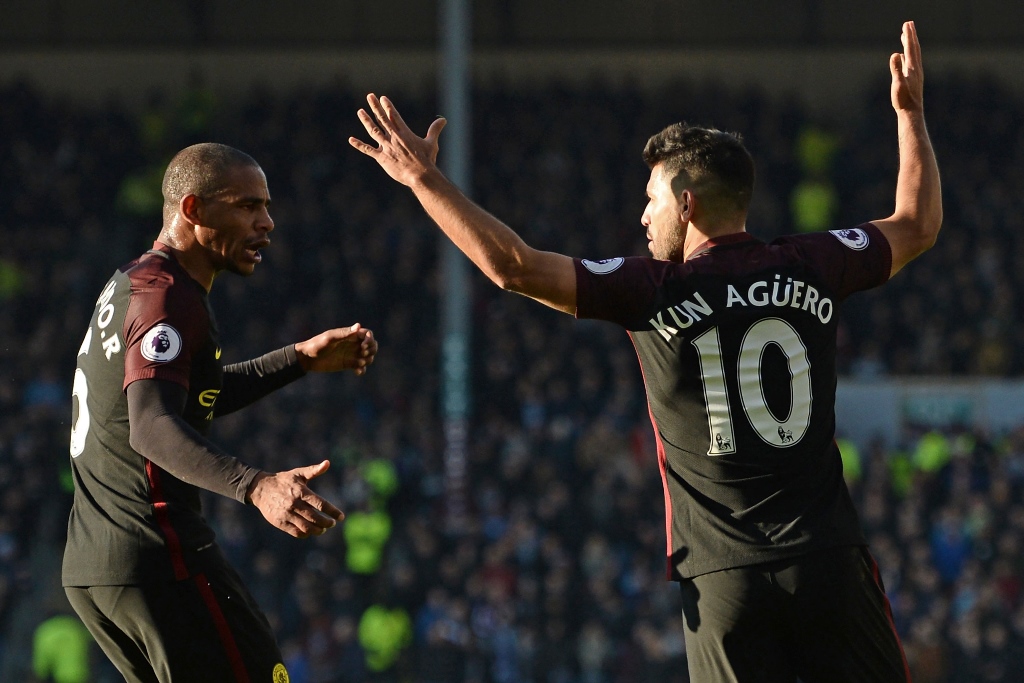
(80, 388)
(778, 434)
(80, 429)
(716, 393)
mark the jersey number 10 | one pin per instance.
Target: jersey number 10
(774, 432)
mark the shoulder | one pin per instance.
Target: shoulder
(857, 239)
(159, 279)
(633, 268)
(623, 290)
(852, 259)
(153, 272)
(163, 293)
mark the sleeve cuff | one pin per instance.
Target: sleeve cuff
(242, 492)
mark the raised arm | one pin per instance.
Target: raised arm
(491, 245)
(914, 225)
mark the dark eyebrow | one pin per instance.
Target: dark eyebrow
(253, 200)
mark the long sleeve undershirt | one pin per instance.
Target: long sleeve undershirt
(159, 433)
(249, 381)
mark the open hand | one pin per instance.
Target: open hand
(286, 502)
(343, 348)
(907, 73)
(404, 155)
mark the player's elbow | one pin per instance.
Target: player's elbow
(136, 439)
(927, 232)
(919, 232)
(510, 275)
(512, 283)
(923, 222)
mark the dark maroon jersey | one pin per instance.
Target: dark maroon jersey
(131, 521)
(738, 350)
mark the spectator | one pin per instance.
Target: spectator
(61, 651)
(384, 633)
(59, 180)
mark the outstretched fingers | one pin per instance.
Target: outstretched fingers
(296, 525)
(312, 500)
(911, 57)
(392, 113)
(370, 124)
(381, 115)
(906, 40)
(366, 148)
(323, 508)
(375, 132)
(405, 156)
(911, 46)
(307, 517)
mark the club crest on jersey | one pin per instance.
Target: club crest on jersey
(280, 674)
(854, 238)
(161, 344)
(604, 266)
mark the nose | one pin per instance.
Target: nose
(266, 223)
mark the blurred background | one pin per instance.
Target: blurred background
(552, 571)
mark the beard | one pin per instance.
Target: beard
(667, 249)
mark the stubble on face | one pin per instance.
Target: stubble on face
(665, 230)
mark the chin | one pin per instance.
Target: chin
(243, 269)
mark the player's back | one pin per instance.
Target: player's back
(147, 323)
(737, 347)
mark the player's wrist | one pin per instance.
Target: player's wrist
(426, 178)
(253, 491)
(910, 113)
(302, 356)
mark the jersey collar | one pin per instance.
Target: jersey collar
(732, 239)
(163, 251)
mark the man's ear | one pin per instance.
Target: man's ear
(687, 204)
(189, 207)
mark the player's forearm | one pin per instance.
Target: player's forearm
(918, 189)
(490, 244)
(158, 433)
(249, 381)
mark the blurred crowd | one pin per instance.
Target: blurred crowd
(559, 575)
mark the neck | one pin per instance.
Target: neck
(696, 235)
(188, 256)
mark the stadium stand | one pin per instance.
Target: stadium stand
(560, 576)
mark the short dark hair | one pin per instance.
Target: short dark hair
(200, 170)
(710, 160)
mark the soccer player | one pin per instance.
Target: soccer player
(737, 341)
(141, 566)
